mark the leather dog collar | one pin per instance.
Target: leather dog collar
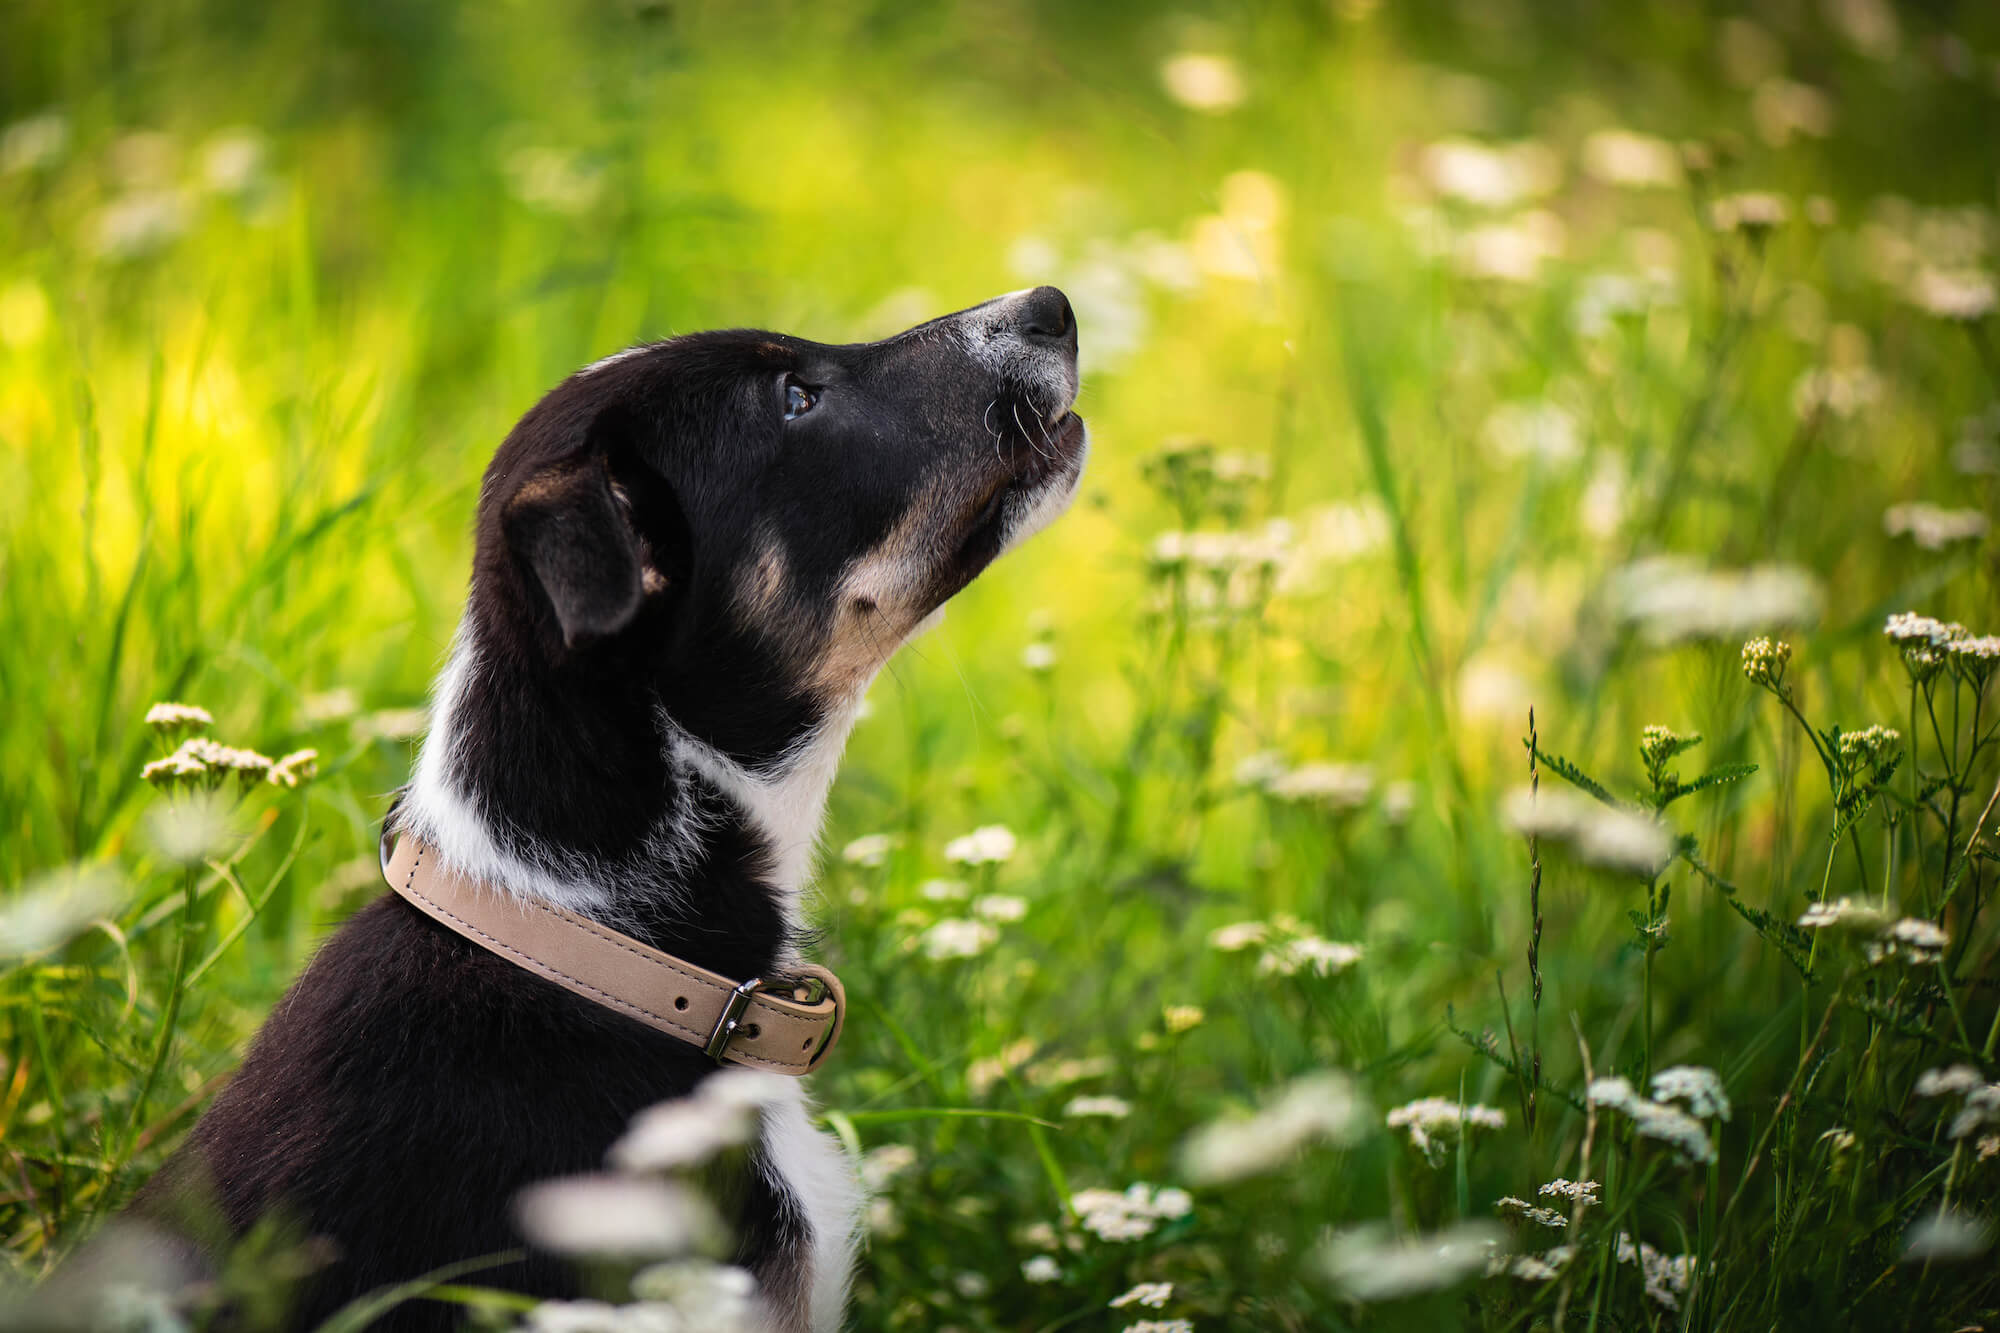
(789, 1028)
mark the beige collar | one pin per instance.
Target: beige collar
(789, 1029)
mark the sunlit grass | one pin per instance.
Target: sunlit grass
(1259, 776)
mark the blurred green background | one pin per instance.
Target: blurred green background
(1464, 295)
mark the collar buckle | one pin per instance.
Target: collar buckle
(730, 1018)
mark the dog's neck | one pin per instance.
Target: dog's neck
(596, 800)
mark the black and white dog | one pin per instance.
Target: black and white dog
(691, 560)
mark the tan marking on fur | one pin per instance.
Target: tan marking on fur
(878, 602)
(760, 591)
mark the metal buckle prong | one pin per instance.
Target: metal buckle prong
(732, 1015)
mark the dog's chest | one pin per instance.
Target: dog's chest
(810, 1165)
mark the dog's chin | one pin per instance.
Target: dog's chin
(1048, 490)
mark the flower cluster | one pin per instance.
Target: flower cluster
(992, 844)
(1666, 1276)
(1696, 1085)
(1678, 1129)
(1131, 1215)
(1430, 1120)
(1658, 747)
(1764, 661)
(1319, 1107)
(1611, 837)
(1509, 1206)
(1912, 940)
(1288, 947)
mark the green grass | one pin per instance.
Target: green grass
(243, 454)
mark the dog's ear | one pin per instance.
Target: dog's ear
(572, 533)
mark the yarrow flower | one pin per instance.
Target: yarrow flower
(957, 937)
(200, 761)
(1583, 1192)
(991, 844)
(1161, 1326)
(1764, 662)
(1318, 1107)
(294, 768)
(1753, 212)
(1370, 1266)
(1309, 953)
(1152, 1295)
(1330, 786)
(1237, 937)
(723, 1113)
(1430, 1118)
(1843, 914)
(1696, 1085)
(1655, 1120)
(1912, 939)
(1041, 1270)
(1103, 1108)
(1182, 1017)
(1932, 527)
(1131, 1215)
(1509, 1206)
(869, 850)
(172, 718)
(1666, 1277)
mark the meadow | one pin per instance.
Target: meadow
(1483, 814)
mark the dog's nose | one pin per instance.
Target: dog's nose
(1045, 318)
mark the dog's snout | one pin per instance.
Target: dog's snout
(1045, 317)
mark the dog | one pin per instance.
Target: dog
(691, 559)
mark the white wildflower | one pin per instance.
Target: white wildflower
(33, 143)
(1203, 81)
(139, 223)
(1103, 1108)
(1131, 1215)
(232, 160)
(1039, 656)
(1538, 430)
(722, 1113)
(1948, 1081)
(1332, 786)
(971, 1286)
(1369, 1265)
(178, 717)
(1152, 1295)
(1671, 598)
(1489, 176)
(1665, 1276)
(991, 844)
(722, 1296)
(1509, 1206)
(1544, 1267)
(292, 769)
(1317, 1107)
(1579, 1191)
(1636, 161)
(1696, 1085)
(191, 830)
(1932, 527)
(1843, 914)
(1308, 953)
(1912, 939)
(1981, 1108)
(55, 908)
(1260, 769)
(1606, 836)
(881, 1165)
(616, 1215)
(1161, 1326)
(871, 849)
(957, 937)
(1003, 908)
(1654, 1120)
(1512, 251)
(1946, 1236)
(943, 890)
(1182, 1017)
(1964, 295)
(1238, 936)
(1752, 212)
(1041, 1270)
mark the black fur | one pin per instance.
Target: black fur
(410, 1083)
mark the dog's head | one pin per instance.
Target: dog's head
(755, 522)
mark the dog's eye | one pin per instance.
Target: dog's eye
(799, 400)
